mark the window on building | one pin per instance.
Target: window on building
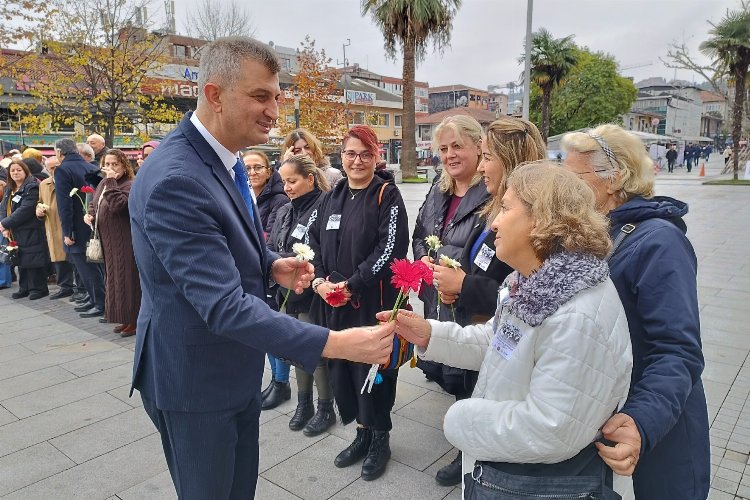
(381, 119)
(397, 121)
(180, 51)
(358, 118)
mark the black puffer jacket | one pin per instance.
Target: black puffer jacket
(270, 200)
(454, 237)
(293, 222)
(27, 229)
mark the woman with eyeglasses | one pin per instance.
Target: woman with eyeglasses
(302, 142)
(662, 431)
(360, 229)
(270, 197)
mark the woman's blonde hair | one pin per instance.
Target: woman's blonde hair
(316, 149)
(611, 150)
(462, 127)
(304, 166)
(512, 142)
(563, 209)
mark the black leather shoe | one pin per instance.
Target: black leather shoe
(280, 392)
(84, 307)
(93, 313)
(377, 456)
(61, 294)
(355, 451)
(265, 392)
(19, 295)
(450, 475)
(37, 295)
(78, 296)
(103, 320)
(323, 419)
(304, 411)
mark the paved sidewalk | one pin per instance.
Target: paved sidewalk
(68, 429)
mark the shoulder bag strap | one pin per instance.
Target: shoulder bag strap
(96, 220)
(625, 231)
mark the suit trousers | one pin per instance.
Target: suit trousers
(92, 277)
(64, 272)
(32, 279)
(210, 454)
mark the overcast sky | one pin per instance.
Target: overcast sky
(488, 34)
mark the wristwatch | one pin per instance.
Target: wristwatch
(316, 283)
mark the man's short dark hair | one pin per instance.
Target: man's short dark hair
(66, 147)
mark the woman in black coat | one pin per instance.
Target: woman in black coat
(18, 222)
(361, 228)
(267, 187)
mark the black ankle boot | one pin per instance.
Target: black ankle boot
(377, 456)
(280, 392)
(450, 475)
(265, 392)
(304, 411)
(355, 451)
(324, 418)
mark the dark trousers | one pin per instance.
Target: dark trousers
(78, 287)
(210, 454)
(92, 277)
(32, 279)
(670, 165)
(371, 409)
(64, 272)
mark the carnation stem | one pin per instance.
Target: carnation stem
(286, 297)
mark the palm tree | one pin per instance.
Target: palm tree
(729, 46)
(551, 61)
(412, 25)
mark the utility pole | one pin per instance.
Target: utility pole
(527, 60)
(345, 63)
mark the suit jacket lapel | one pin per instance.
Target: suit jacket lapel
(209, 156)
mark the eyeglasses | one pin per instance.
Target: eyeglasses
(256, 168)
(581, 174)
(365, 156)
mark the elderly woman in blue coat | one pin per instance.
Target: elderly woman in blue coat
(662, 431)
(554, 363)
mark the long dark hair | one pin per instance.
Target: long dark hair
(22, 164)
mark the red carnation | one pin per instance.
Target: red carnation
(406, 275)
(335, 297)
(87, 189)
(426, 272)
(12, 244)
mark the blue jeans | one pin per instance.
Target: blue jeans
(279, 369)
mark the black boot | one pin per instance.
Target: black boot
(355, 451)
(304, 411)
(324, 418)
(265, 392)
(450, 475)
(280, 392)
(377, 456)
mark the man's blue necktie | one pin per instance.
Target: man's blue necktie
(240, 179)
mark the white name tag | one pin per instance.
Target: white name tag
(506, 339)
(17, 198)
(299, 231)
(334, 222)
(484, 257)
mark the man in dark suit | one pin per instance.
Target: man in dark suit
(204, 325)
(71, 174)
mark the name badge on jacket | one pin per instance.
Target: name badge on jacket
(506, 339)
(334, 222)
(299, 231)
(484, 257)
(16, 198)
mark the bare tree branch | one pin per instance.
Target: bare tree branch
(678, 57)
(211, 20)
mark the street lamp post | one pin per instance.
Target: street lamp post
(296, 107)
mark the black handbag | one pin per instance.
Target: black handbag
(9, 254)
(585, 476)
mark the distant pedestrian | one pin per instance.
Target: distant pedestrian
(727, 154)
(671, 157)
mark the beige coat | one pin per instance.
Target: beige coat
(52, 223)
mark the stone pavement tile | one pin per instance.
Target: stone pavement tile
(104, 436)
(29, 382)
(731, 304)
(743, 491)
(724, 354)
(715, 392)
(101, 477)
(39, 428)
(736, 457)
(6, 417)
(99, 362)
(40, 332)
(441, 462)
(30, 465)
(59, 356)
(59, 340)
(399, 481)
(722, 426)
(715, 494)
(416, 444)
(734, 294)
(74, 390)
(13, 351)
(21, 322)
(724, 485)
(277, 442)
(122, 393)
(733, 314)
(267, 490)
(454, 495)
(415, 376)
(729, 474)
(721, 372)
(428, 409)
(268, 415)
(310, 474)
(734, 465)
(726, 338)
(159, 487)
(11, 313)
(407, 393)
